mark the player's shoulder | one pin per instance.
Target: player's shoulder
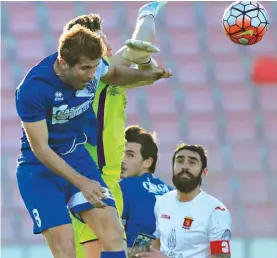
(212, 202)
(169, 196)
(128, 182)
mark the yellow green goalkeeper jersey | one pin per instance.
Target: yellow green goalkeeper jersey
(110, 109)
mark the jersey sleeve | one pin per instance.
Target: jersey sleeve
(157, 232)
(31, 101)
(220, 225)
(104, 67)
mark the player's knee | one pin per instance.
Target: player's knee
(113, 238)
(61, 244)
(64, 248)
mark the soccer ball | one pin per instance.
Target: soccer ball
(245, 23)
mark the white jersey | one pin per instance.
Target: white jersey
(186, 229)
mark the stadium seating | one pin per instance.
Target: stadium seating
(210, 101)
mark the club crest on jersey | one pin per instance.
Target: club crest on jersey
(187, 223)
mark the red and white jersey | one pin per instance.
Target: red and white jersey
(188, 229)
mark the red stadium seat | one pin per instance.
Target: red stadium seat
(254, 188)
(22, 17)
(133, 120)
(31, 48)
(238, 227)
(184, 42)
(161, 99)
(7, 79)
(131, 10)
(230, 71)
(8, 234)
(245, 158)
(213, 14)
(268, 98)
(59, 13)
(8, 106)
(132, 102)
(11, 162)
(219, 186)
(270, 127)
(179, 15)
(240, 127)
(219, 45)
(267, 46)
(272, 160)
(191, 73)
(236, 99)
(167, 128)
(17, 201)
(216, 164)
(164, 164)
(202, 129)
(26, 230)
(260, 219)
(107, 11)
(114, 37)
(11, 134)
(198, 99)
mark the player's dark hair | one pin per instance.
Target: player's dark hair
(194, 148)
(149, 147)
(80, 41)
(92, 22)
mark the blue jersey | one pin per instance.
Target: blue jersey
(68, 112)
(139, 197)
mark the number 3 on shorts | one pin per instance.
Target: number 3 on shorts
(37, 218)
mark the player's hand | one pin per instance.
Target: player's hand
(139, 52)
(160, 72)
(154, 253)
(94, 193)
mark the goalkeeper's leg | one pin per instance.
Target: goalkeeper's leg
(140, 46)
(145, 27)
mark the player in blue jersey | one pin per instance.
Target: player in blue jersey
(54, 168)
(140, 188)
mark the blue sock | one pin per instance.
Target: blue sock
(114, 254)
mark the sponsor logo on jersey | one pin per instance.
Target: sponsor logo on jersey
(220, 208)
(62, 114)
(158, 189)
(164, 216)
(187, 223)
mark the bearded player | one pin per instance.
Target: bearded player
(189, 222)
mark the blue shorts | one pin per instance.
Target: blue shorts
(47, 195)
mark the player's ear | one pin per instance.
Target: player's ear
(147, 163)
(63, 63)
(205, 172)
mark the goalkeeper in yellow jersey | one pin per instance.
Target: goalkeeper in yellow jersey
(109, 106)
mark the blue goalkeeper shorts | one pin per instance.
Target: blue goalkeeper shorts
(48, 197)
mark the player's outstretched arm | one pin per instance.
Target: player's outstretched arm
(120, 75)
(37, 134)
